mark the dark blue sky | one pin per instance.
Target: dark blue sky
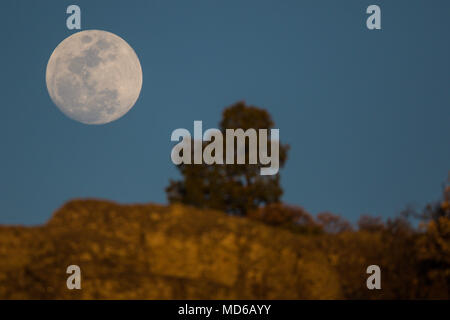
(366, 112)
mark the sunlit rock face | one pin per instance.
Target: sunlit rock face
(160, 252)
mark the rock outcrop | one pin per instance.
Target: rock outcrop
(160, 252)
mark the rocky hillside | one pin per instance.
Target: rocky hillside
(161, 252)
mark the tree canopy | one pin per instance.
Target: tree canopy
(233, 188)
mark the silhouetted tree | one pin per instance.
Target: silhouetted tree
(371, 224)
(233, 188)
(279, 214)
(434, 245)
(332, 223)
(432, 211)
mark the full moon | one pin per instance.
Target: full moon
(94, 77)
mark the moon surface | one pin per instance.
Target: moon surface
(94, 77)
